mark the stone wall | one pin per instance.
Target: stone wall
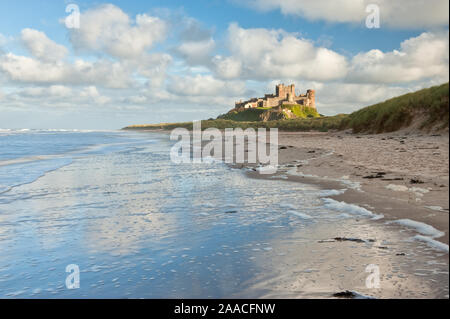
(283, 95)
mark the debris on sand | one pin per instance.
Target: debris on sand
(351, 295)
(357, 240)
(377, 175)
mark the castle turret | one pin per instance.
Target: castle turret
(311, 96)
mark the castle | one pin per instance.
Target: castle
(283, 95)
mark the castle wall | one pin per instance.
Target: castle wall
(283, 95)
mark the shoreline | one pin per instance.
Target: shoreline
(401, 175)
(384, 188)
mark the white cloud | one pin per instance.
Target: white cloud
(205, 85)
(110, 30)
(396, 14)
(47, 92)
(196, 52)
(419, 58)
(92, 93)
(57, 95)
(263, 54)
(347, 96)
(29, 70)
(41, 47)
(228, 67)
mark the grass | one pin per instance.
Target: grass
(429, 106)
(247, 115)
(310, 124)
(302, 111)
(255, 114)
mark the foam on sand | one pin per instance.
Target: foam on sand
(432, 243)
(331, 192)
(301, 215)
(349, 208)
(419, 192)
(420, 227)
(397, 188)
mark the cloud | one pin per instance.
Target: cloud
(48, 92)
(354, 96)
(196, 52)
(30, 70)
(109, 30)
(410, 14)
(41, 47)
(205, 85)
(419, 58)
(227, 67)
(57, 96)
(92, 93)
(263, 54)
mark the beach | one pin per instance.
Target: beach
(402, 176)
(138, 225)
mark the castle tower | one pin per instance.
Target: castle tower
(292, 90)
(280, 91)
(311, 96)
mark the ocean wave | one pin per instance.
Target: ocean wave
(432, 243)
(420, 227)
(25, 173)
(349, 208)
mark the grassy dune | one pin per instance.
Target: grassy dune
(427, 109)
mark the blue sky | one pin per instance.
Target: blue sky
(192, 59)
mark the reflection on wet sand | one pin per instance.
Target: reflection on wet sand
(139, 226)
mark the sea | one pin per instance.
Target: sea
(107, 214)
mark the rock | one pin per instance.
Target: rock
(416, 181)
(349, 239)
(345, 294)
(378, 175)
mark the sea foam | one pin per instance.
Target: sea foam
(349, 208)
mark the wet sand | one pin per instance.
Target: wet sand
(396, 176)
(400, 176)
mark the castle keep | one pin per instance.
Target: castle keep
(283, 95)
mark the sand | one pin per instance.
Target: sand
(398, 175)
(402, 177)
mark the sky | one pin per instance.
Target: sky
(120, 62)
